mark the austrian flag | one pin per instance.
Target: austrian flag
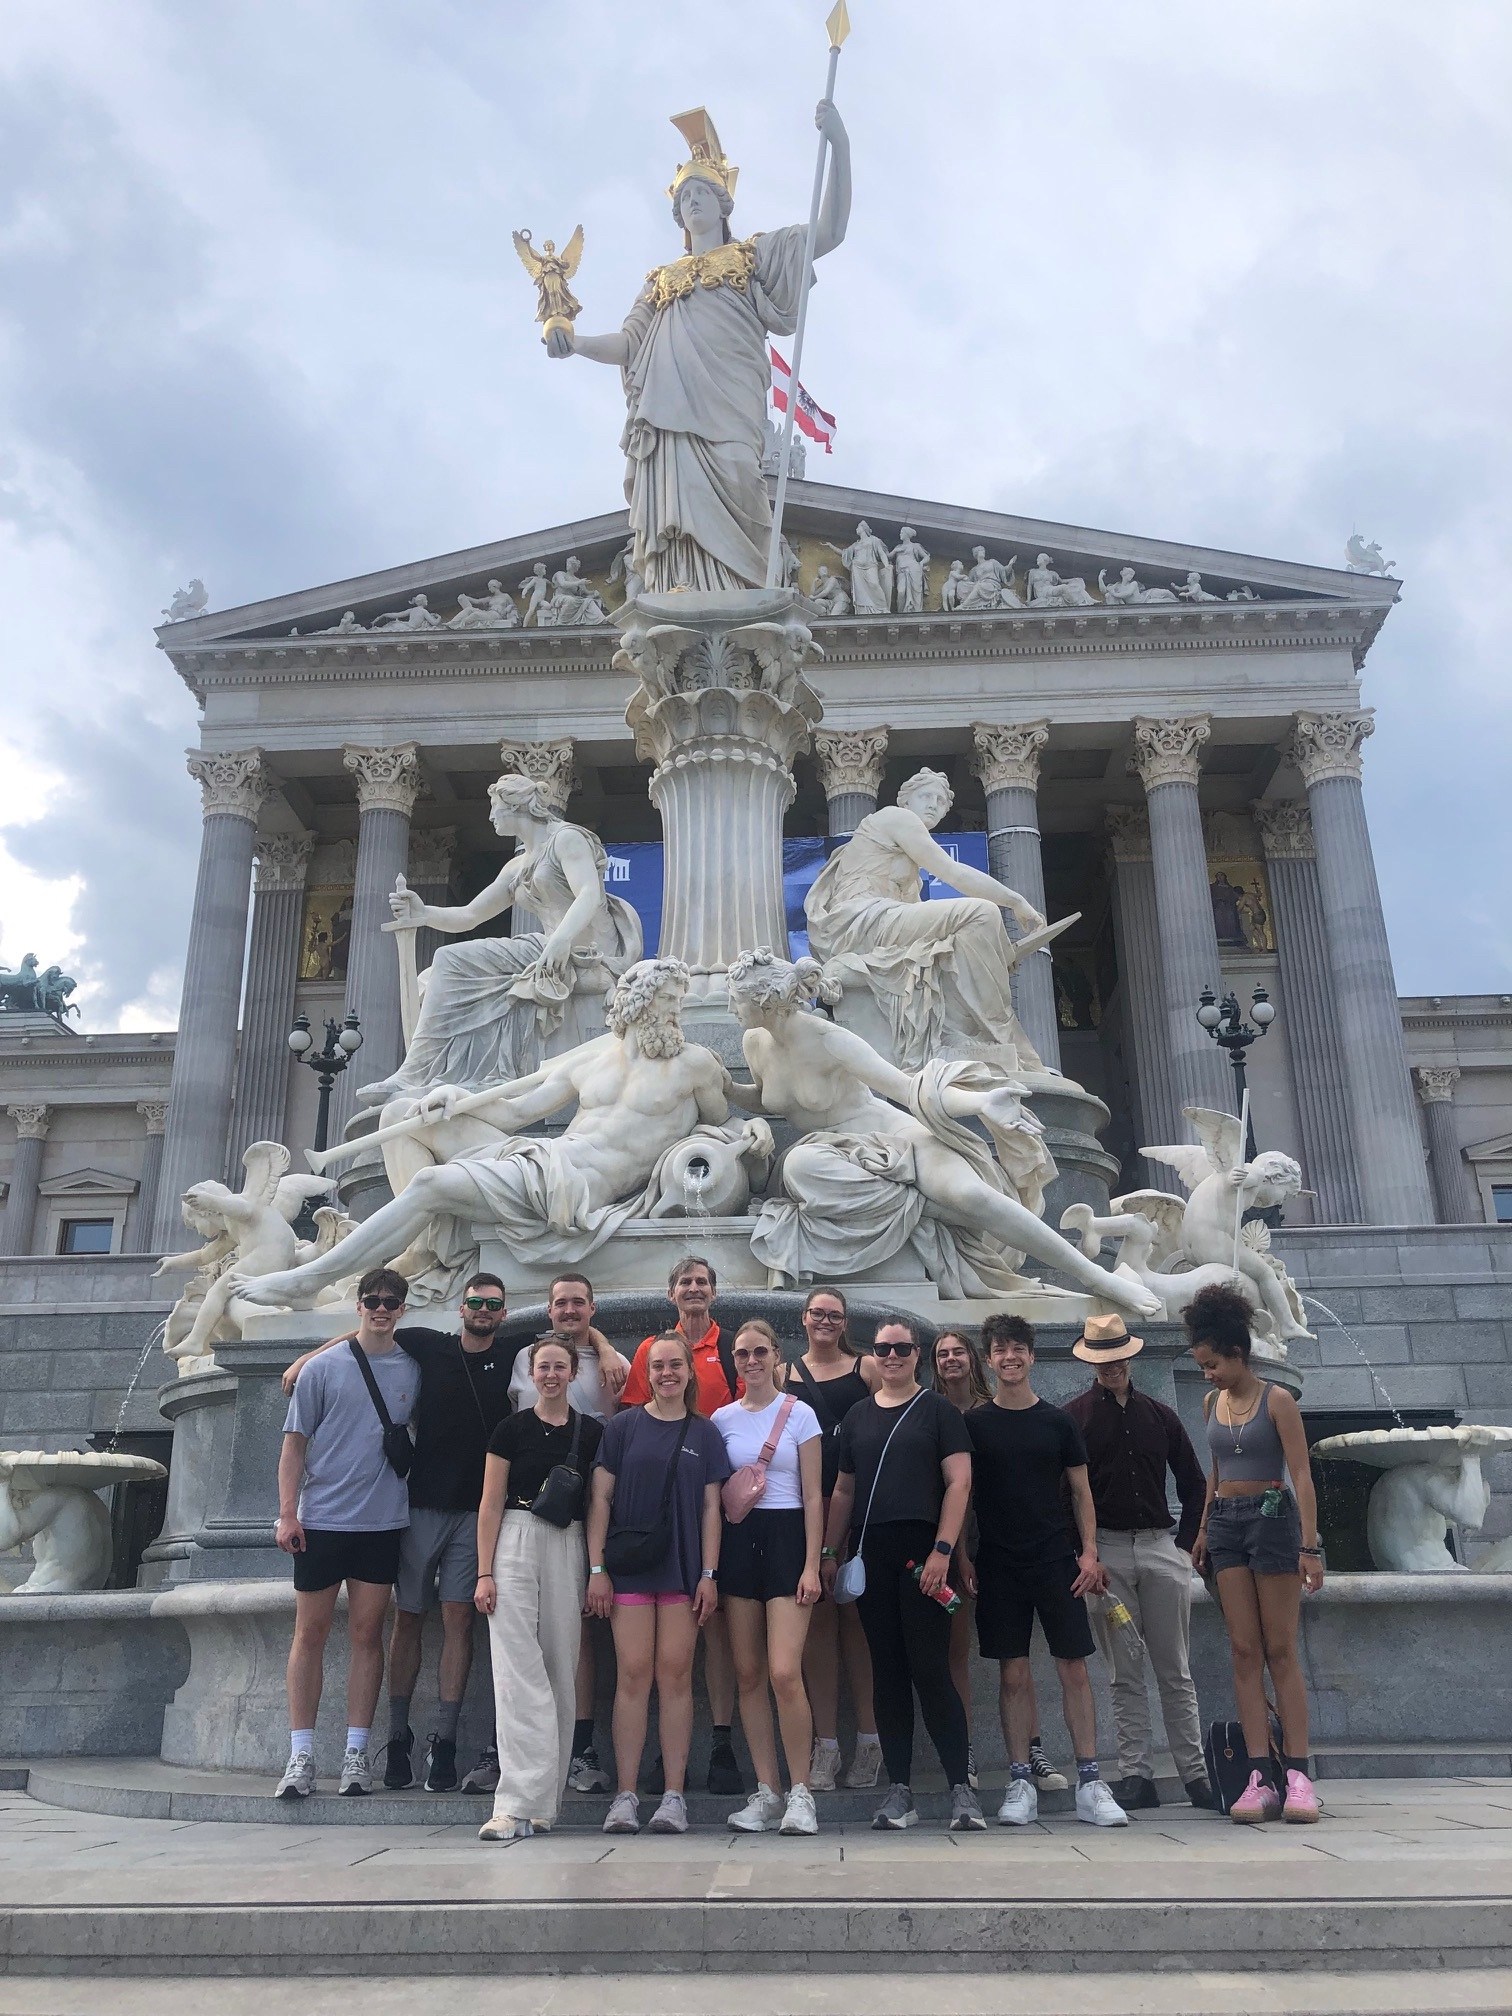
(811, 417)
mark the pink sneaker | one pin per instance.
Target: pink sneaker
(1259, 1801)
(1302, 1806)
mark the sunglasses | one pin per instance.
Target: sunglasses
(492, 1303)
(744, 1353)
(893, 1350)
(388, 1302)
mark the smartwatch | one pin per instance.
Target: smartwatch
(944, 1547)
(709, 1574)
(599, 1570)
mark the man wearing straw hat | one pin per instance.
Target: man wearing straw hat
(1132, 1441)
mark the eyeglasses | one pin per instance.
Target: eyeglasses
(492, 1303)
(894, 1350)
(744, 1353)
(825, 1315)
(388, 1302)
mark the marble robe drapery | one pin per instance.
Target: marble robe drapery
(940, 971)
(852, 1201)
(696, 393)
(485, 1010)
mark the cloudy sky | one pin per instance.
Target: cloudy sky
(1234, 275)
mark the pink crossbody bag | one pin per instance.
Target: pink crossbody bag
(743, 1488)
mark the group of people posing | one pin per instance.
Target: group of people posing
(845, 1510)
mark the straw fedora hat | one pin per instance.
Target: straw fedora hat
(1104, 1340)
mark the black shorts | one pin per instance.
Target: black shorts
(1240, 1535)
(1009, 1598)
(332, 1558)
(763, 1556)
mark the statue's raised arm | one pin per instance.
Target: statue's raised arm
(693, 351)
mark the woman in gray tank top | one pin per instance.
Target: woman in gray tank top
(1261, 1541)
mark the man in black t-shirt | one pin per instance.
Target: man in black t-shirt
(1029, 1564)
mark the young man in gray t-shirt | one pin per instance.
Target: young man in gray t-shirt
(342, 1507)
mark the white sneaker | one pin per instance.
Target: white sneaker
(1096, 1805)
(761, 1814)
(298, 1780)
(671, 1817)
(356, 1773)
(503, 1828)
(1020, 1807)
(971, 1771)
(824, 1765)
(623, 1816)
(1046, 1777)
(798, 1815)
(866, 1765)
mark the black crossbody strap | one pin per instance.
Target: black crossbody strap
(472, 1386)
(727, 1364)
(818, 1396)
(577, 1436)
(371, 1383)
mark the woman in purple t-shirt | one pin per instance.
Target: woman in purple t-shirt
(656, 1614)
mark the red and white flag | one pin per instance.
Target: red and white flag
(811, 417)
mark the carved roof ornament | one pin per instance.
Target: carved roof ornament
(235, 784)
(1286, 830)
(154, 1113)
(283, 860)
(546, 763)
(388, 780)
(31, 1121)
(1008, 754)
(1169, 751)
(1436, 1083)
(1128, 832)
(1323, 746)
(851, 761)
(430, 855)
(187, 602)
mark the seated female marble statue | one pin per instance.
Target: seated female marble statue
(885, 1163)
(940, 971)
(488, 1005)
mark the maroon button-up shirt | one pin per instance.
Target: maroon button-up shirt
(1130, 1446)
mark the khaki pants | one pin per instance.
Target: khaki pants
(540, 1575)
(1153, 1579)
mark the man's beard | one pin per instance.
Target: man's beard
(660, 1036)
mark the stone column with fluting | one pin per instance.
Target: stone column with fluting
(262, 1065)
(19, 1220)
(1307, 1003)
(1453, 1187)
(388, 783)
(233, 789)
(851, 763)
(1007, 759)
(1136, 937)
(1167, 759)
(1394, 1186)
(141, 1231)
(429, 875)
(552, 765)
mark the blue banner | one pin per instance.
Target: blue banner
(635, 873)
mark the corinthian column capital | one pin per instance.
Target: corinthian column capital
(1128, 832)
(283, 860)
(388, 780)
(1286, 830)
(851, 760)
(430, 854)
(154, 1114)
(1008, 754)
(31, 1121)
(1169, 750)
(549, 764)
(1328, 745)
(1436, 1083)
(234, 783)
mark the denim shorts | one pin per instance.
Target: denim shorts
(1240, 1535)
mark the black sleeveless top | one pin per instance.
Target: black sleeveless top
(831, 1400)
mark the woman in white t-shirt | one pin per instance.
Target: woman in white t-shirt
(769, 1578)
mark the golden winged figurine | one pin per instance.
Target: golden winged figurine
(557, 305)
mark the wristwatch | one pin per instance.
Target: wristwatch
(599, 1570)
(828, 1554)
(944, 1547)
(709, 1574)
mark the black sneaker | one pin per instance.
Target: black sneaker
(1135, 1795)
(441, 1765)
(724, 1773)
(1200, 1793)
(398, 1764)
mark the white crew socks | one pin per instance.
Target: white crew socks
(357, 1739)
(302, 1739)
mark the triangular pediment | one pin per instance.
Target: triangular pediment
(88, 1183)
(1497, 1150)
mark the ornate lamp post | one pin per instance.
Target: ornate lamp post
(1224, 1022)
(342, 1042)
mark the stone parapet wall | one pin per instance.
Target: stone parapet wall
(72, 1334)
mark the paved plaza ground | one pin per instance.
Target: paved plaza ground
(1400, 1900)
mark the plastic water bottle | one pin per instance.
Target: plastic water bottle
(948, 1599)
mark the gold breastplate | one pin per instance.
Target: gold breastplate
(726, 266)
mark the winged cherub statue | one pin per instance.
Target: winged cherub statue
(558, 307)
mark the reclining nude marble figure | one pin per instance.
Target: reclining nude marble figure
(941, 972)
(487, 1005)
(639, 1090)
(885, 1163)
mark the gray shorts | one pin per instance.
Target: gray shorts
(438, 1555)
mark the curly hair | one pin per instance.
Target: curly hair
(523, 794)
(634, 997)
(1220, 1318)
(763, 978)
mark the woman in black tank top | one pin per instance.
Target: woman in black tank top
(833, 1379)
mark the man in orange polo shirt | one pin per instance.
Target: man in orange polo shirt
(691, 1285)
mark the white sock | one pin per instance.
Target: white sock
(357, 1739)
(302, 1739)
(828, 1742)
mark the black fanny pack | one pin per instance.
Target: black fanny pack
(641, 1550)
(397, 1446)
(560, 1499)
